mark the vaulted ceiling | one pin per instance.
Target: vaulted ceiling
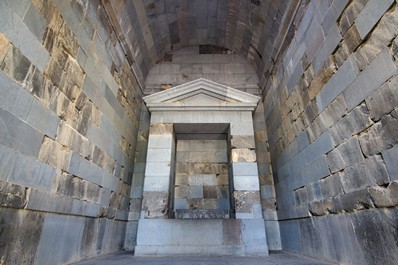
(149, 29)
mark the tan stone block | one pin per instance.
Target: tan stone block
(69, 137)
(268, 204)
(161, 128)
(243, 155)
(183, 168)
(181, 179)
(385, 197)
(181, 192)
(319, 81)
(4, 46)
(54, 154)
(239, 141)
(64, 108)
(210, 192)
(222, 179)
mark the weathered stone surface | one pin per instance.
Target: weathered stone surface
(12, 195)
(15, 65)
(155, 204)
(161, 128)
(380, 136)
(344, 155)
(243, 155)
(201, 214)
(239, 141)
(385, 197)
(383, 100)
(382, 68)
(340, 80)
(354, 122)
(390, 156)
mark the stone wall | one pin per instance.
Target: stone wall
(69, 115)
(214, 63)
(331, 114)
(201, 179)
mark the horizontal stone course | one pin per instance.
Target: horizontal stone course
(370, 15)
(381, 68)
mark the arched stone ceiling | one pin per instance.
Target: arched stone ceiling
(149, 29)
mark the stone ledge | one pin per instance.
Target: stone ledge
(201, 214)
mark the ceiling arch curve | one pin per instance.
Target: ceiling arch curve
(149, 29)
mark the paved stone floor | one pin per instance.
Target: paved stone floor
(279, 258)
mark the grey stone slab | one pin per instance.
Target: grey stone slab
(390, 159)
(19, 135)
(354, 122)
(156, 184)
(112, 100)
(319, 147)
(68, 14)
(313, 44)
(370, 15)
(35, 22)
(337, 84)
(20, 35)
(8, 7)
(85, 169)
(30, 173)
(245, 169)
(8, 158)
(109, 130)
(14, 98)
(43, 119)
(332, 39)
(64, 232)
(243, 183)
(370, 79)
(49, 202)
(295, 77)
(344, 155)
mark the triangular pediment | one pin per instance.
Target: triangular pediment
(201, 94)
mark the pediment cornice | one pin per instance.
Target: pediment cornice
(201, 94)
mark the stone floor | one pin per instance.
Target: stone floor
(279, 258)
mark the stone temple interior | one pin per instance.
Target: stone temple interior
(198, 127)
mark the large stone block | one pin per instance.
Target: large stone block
(380, 69)
(31, 173)
(157, 183)
(85, 169)
(43, 119)
(239, 141)
(339, 81)
(383, 100)
(246, 183)
(370, 15)
(19, 135)
(155, 204)
(332, 39)
(390, 156)
(14, 98)
(319, 147)
(353, 123)
(12, 195)
(245, 169)
(243, 155)
(380, 136)
(21, 36)
(346, 154)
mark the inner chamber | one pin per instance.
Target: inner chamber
(202, 180)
